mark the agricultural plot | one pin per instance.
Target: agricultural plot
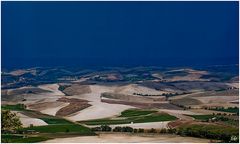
(136, 112)
(60, 128)
(218, 132)
(8, 138)
(218, 119)
(55, 125)
(132, 116)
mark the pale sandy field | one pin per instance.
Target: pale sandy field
(155, 125)
(134, 88)
(53, 111)
(53, 88)
(218, 100)
(98, 108)
(27, 121)
(235, 84)
(128, 138)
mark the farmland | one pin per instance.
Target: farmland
(133, 116)
(150, 100)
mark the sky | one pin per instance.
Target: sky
(119, 33)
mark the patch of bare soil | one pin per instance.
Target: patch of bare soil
(143, 105)
(76, 89)
(27, 121)
(185, 101)
(53, 88)
(74, 106)
(23, 71)
(44, 105)
(134, 88)
(224, 101)
(4, 92)
(26, 90)
(231, 92)
(131, 98)
(177, 123)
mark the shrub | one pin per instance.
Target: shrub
(117, 129)
(172, 131)
(106, 128)
(96, 129)
(163, 130)
(152, 130)
(135, 130)
(127, 129)
(140, 130)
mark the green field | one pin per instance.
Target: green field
(136, 112)
(63, 128)
(202, 117)
(136, 119)
(55, 121)
(7, 138)
(229, 109)
(17, 107)
(56, 125)
(35, 114)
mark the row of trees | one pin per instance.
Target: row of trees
(183, 131)
(209, 134)
(106, 128)
(164, 94)
(181, 106)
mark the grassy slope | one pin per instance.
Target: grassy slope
(68, 128)
(7, 138)
(202, 117)
(136, 112)
(35, 114)
(17, 107)
(136, 119)
(56, 125)
(230, 109)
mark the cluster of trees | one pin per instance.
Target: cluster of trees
(183, 131)
(102, 128)
(181, 106)
(62, 88)
(174, 94)
(209, 134)
(164, 94)
(123, 129)
(140, 94)
(220, 117)
(234, 110)
(10, 122)
(106, 128)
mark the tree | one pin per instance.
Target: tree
(171, 130)
(10, 121)
(163, 130)
(127, 129)
(152, 130)
(96, 129)
(140, 130)
(135, 130)
(117, 129)
(106, 128)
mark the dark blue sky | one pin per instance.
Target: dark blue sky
(119, 33)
